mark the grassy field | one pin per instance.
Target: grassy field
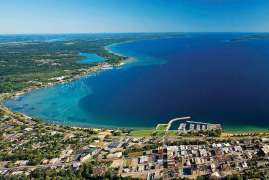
(142, 132)
(161, 127)
(151, 132)
(172, 133)
(158, 131)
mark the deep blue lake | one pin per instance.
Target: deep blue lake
(200, 75)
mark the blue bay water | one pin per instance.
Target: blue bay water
(201, 75)
(90, 58)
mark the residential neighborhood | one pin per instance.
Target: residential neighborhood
(28, 145)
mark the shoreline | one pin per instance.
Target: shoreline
(87, 72)
(98, 68)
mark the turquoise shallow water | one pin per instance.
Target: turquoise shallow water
(90, 58)
(201, 75)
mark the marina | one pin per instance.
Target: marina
(184, 124)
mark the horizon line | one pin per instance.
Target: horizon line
(74, 33)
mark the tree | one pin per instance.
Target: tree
(86, 170)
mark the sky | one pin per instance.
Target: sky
(91, 16)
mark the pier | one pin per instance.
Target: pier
(176, 119)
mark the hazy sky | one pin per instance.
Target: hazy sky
(73, 16)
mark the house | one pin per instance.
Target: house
(21, 163)
(87, 153)
(54, 161)
(265, 150)
(142, 159)
(114, 155)
(244, 164)
(117, 163)
(213, 167)
(76, 165)
(3, 172)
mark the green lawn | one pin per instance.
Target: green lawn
(142, 132)
(161, 127)
(159, 131)
(172, 133)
